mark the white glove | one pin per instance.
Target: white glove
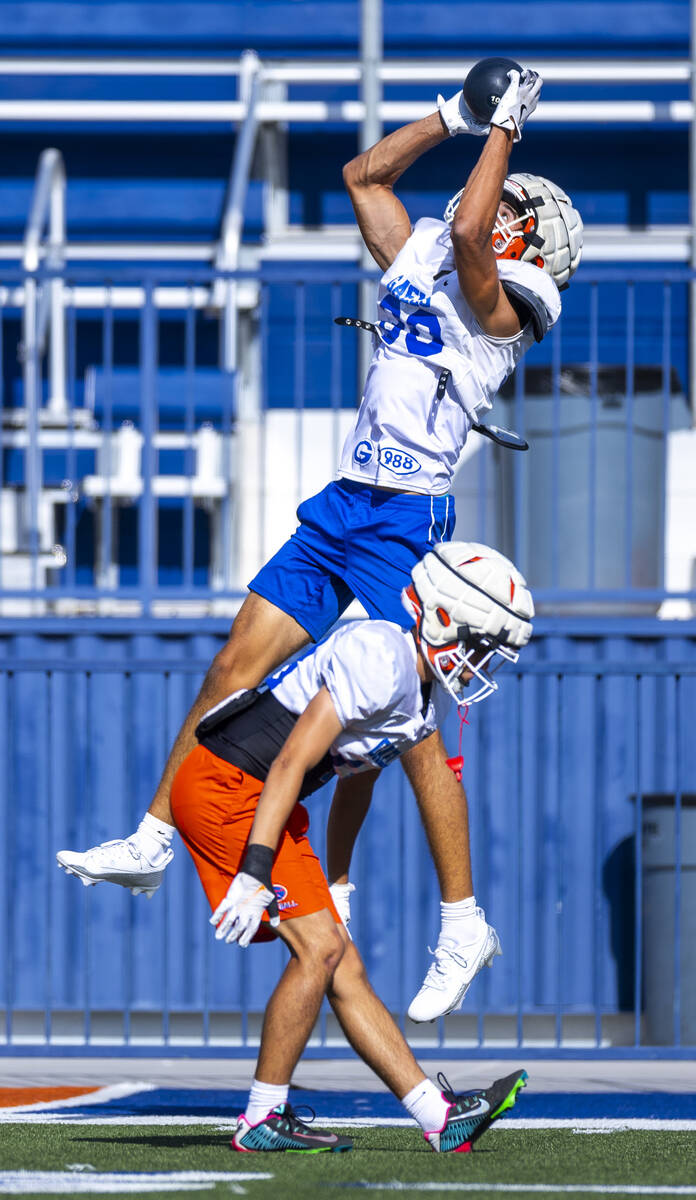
(340, 894)
(458, 118)
(239, 915)
(518, 102)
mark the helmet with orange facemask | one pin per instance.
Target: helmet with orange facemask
(472, 607)
(546, 230)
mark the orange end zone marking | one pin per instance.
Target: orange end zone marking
(9, 1097)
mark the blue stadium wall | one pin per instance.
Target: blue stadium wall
(598, 716)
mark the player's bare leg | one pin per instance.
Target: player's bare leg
(316, 947)
(450, 1122)
(261, 638)
(269, 1123)
(466, 942)
(445, 814)
(369, 1027)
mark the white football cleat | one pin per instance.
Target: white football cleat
(121, 861)
(450, 975)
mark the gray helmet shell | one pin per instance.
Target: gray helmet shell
(558, 230)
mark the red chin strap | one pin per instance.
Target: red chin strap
(456, 764)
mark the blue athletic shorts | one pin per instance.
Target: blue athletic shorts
(353, 540)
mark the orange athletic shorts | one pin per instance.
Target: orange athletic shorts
(213, 805)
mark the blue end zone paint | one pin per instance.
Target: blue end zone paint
(214, 1102)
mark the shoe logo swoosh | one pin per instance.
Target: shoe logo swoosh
(329, 1139)
(481, 1109)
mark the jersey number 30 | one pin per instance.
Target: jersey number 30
(392, 326)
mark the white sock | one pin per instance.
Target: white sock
(460, 922)
(153, 838)
(427, 1105)
(262, 1098)
(162, 829)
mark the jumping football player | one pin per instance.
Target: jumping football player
(236, 802)
(460, 301)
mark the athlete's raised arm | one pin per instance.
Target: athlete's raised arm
(480, 207)
(370, 178)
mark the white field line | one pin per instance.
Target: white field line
(114, 1091)
(596, 1189)
(7, 1117)
(53, 1183)
(578, 1124)
(223, 1124)
(600, 1124)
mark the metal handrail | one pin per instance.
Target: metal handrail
(47, 208)
(227, 254)
(48, 200)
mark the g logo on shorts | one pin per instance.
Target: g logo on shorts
(363, 453)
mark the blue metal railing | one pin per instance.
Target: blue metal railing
(163, 463)
(581, 778)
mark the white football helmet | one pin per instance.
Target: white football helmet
(471, 605)
(547, 231)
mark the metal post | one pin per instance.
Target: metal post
(371, 49)
(370, 61)
(692, 217)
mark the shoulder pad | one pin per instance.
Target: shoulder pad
(535, 290)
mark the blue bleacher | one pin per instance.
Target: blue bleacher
(440, 27)
(167, 182)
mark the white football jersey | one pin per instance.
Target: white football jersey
(369, 669)
(406, 436)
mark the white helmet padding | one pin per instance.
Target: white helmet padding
(470, 604)
(558, 230)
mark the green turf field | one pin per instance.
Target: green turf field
(561, 1161)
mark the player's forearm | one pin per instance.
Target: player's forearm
(478, 208)
(349, 807)
(384, 162)
(309, 741)
(277, 801)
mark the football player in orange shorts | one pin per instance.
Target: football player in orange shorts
(365, 695)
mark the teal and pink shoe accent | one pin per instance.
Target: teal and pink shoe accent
(470, 1114)
(282, 1130)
